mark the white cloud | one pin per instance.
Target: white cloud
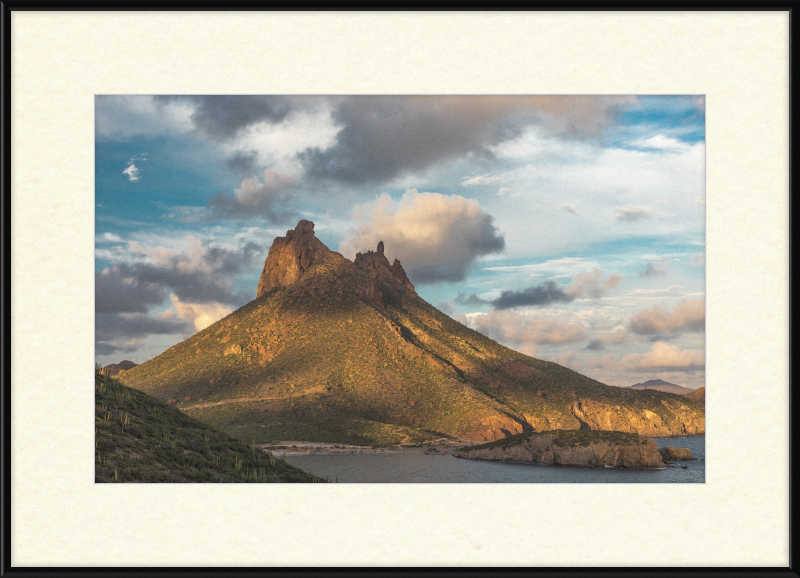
(108, 238)
(671, 291)
(132, 172)
(480, 180)
(663, 143)
(503, 191)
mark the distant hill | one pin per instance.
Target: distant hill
(141, 439)
(661, 385)
(698, 394)
(346, 351)
(114, 368)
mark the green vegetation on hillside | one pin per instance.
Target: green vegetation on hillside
(141, 439)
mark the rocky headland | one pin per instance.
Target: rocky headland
(570, 448)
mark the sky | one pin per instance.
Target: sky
(569, 228)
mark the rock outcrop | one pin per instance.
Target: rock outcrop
(673, 453)
(114, 368)
(292, 255)
(600, 416)
(376, 261)
(570, 448)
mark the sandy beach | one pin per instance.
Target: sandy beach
(303, 448)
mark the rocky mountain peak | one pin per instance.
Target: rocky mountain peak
(290, 256)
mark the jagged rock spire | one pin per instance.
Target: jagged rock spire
(290, 256)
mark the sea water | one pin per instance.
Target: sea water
(420, 468)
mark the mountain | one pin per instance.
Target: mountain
(114, 368)
(661, 385)
(141, 439)
(346, 351)
(698, 394)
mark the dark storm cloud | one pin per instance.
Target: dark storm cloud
(117, 291)
(543, 294)
(111, 327)
(223, 116)
(385, 136)
(242, 162)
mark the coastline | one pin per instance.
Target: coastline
(439, 447)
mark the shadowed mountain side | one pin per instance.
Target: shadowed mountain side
(348, 352)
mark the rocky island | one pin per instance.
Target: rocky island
(571, 448)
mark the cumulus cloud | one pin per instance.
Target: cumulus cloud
(518, 329)
(633, 214)
(502, 191)
(593, 284)
(255, 198)
(655, 269)
(689, 315)
(436, 237)
(382, 137)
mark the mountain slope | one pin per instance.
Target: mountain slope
(698, 394)
(334, 350)
(661, 385)
(141, 439)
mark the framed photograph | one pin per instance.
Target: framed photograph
(417, 237)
